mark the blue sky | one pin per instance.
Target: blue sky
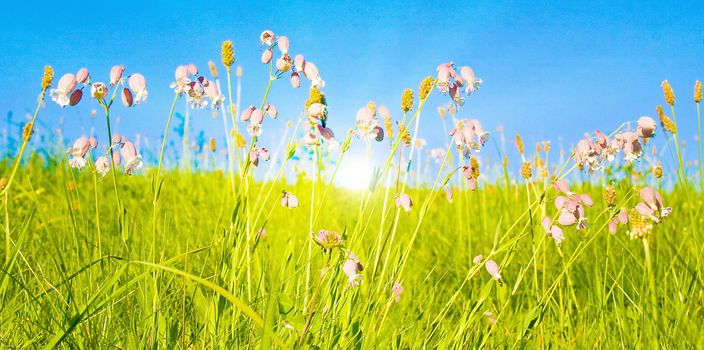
(550, 69)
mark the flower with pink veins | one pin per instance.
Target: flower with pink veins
(102, 166)
(139, 85)
(272, 111)
(284, 44)
(404, 201)
(327, 239)
(267, 37)
(310, 70)
(651, 205)
(472, 83)
(288, 200)
(316, 113)
(66, 85)
(182, 82)
(367, 126)
(632, 149)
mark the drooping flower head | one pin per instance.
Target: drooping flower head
(327, 239)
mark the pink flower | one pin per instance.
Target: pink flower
(310, 70)
(133, 161)
(553, 230)
(299, 62)
(396, 291)
(116, 138)
(283, 63)
(116, 74)
(404, 201)
(327, 239)
(98, 91)
(651, 205)
(78, 151)
(646, 127)
(352, 268)
(83, 77)
(620, 218)
(182, 81)
(247, 113)
(257, 117)
(283, 44)
(473, 83)
(192, 69)
(316, 112)
(139, 85)
(469, 135)
(66, 85)
(384, 112)
(289, 200)
(256, 153)
(295, 80)
(326, 133)
(493, 269)
(93, 142)
(213, 93)
(267, 37)
(272, 111)
(102, 166)
(267, 56)
(478, 259)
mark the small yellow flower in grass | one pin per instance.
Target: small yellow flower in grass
(227, 54)
(657, 171)
(407, 100)
(327, 239)
(27, 132)
(667, 91)
(240, 142)
(425, 87)
(698, 91)
(48, 77)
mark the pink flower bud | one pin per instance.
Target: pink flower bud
(283, 63)
(76, 96)
(257, 117)
(247, 113)
(283, 44)
(467, 74)
(254, 157)
(264, 154)
(67, 83)
(181, 73)
(379, 133)
(128, 151)
(404, 201)
(295, 80)
(267, 55)
(116, 74)
(272, 111)
(137, 82)
(310, 70)
(326, 133)
(646, 127)
(444, 72)
(93, 142)
(83, 77)
(116, 158)
(81, 146)
(384, 112)
(493, 269)
(289, 200)
(127, 99)
(116, 138)
(192, 69)
(299, 62)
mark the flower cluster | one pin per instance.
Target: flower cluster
(469, 135)
(367, 125)
(298, 65)
(69, 90)
(198, 89)
(451, 82)
(128, 153)
(592, 153)
(256, 153)
(255, 117)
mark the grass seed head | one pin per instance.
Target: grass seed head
(227, 54)
(407, 100)
(669, 94)
(48, 77)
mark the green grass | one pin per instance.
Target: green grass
(71, 281)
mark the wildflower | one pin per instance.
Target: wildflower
(327, 239)
(116, 74)
(298, 62)
(289, 200)
(367, 126)
(182, 81)
(213, 69)
(697, 91)
(310, 71)
(571, 206)
(27, 131)
(407, 100)
(133, 161)
(102, 165)
(493, 269)
(47, 77)
(526, 170)
(295, 80)
(283, 44)
(316, 113)
(213, 93)
(98, 91)
(490, 317)
(326, 133)
(667, 91)
(404, 201)
(127, 98)
(272, 111)
(665, 121)
(651, 205)
(425, 87)
(478, 259)
(256, 153)
(93, 142)
(83, 76)
(646, 127)
(78, 152)
(196, 94)
(284, 63)
(471, 173)
(352, 268)
(240, 142)
(139, 85)
(396, 291)
(620, 218)
(404, 134)
(469, 135)
(657, 171)
(553, 230)
(632, 149)
(610, 196)
(473, 83)
(267, 55)
(66, 85)
(640, 226)
(227, 54)
(247, 113)
(267, 37)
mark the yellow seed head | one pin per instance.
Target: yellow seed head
(3, 184)
(474, 165)
(316, 96)
(404, 134)
(425, 86)
(213, 70)
(547, 146)
(227, 54)
(48, 77)
(407, 100)
(443, 112)
(372, 106)
(526, 170)
(666, 122)
(239, 140)
(213, 146)
(27, 132)
(657, 171)
(610, 196)
(519, 144)
(239, 71)
(698, 91)
(505, 162)
(669, 94)
(389, 126)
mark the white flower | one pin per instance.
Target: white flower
(77, 162)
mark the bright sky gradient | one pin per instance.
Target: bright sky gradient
(550, 70)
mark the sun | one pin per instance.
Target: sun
(354, 174)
